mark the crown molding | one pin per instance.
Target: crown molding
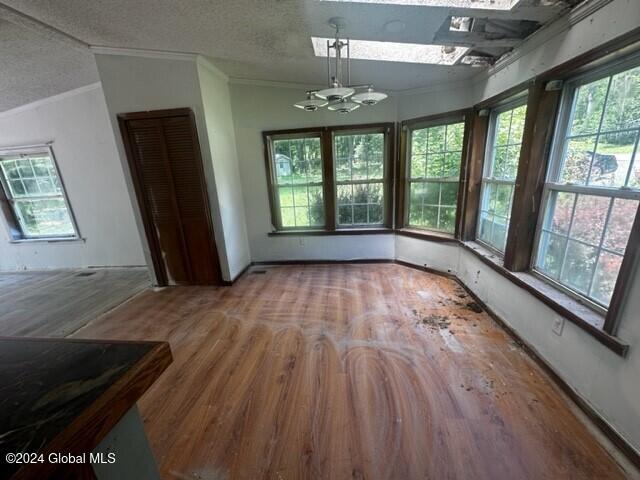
(51, 99)
(139, 52)
(274, 84)
(204, 62)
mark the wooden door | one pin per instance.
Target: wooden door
(164, 156)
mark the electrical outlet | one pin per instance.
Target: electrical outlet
(558, 325)
(301, 241)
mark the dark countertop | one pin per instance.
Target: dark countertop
(64, 395)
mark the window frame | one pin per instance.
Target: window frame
(513, 102)
(403, 194)
(272, 177)
(551, 185)
(16, 232)
(329, 183)
(387, 174)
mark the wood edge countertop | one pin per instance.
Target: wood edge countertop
(86, 431)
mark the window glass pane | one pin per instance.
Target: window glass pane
(448, 193)
(589, 217)
(623, 104)
(286, 196)
(620, 223)
(499, 232)
(298, 161)
(44, 218)
(436, 138)
(559, 217)
(588, 106)
(577, 160)
(298, 170)
(455, 137)
(416, 194)
(605, 278)
(301, 206)
(517, 125)
(578, 266)
(612, 159)
(500, 157)
(485, 227)
(551, 254)
(417, 165)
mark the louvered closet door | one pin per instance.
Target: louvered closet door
(167, 168)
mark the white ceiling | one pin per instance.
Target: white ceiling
(249, 39)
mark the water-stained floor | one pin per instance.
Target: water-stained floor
(348, 371)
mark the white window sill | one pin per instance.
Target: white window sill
(29, 241)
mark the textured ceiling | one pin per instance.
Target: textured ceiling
(250, 39)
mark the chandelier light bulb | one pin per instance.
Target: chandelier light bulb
(369, 97)
(310, 104)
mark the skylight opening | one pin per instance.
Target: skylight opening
(394, 52)
(478, 4)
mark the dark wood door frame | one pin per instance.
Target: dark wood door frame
(152, 240)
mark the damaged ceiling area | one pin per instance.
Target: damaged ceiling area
(258, 40)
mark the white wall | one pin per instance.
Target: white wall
(216, 102)
(605, 380)
(135, 83)
(556, 44)
(257, 108)
(78, 124)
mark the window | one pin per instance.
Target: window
(359, 170)
(32, 187)
(435, 156)
(504, 143)
(593, 187)
(348, 189)
(298, 181)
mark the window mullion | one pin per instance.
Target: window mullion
(600, 243)
(633, 158)
(598, 132)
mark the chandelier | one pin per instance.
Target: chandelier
(340, 96)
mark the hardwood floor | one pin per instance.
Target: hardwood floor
(347, 371)
(57, 303)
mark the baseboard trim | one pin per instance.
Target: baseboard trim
(324, 262)
(228, 283)
(607, 430)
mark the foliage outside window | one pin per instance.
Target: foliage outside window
(359, 169)
(298, 181)
(500, 170)
(434, 176)
(33, 188)
(593, 187)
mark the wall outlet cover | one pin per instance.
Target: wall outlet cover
(558, 325)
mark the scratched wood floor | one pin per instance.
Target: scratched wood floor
(56, 303)
(347, 371)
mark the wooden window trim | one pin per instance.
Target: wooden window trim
(510, 103)
(326, 135)
(402, 210)
(585, 74)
